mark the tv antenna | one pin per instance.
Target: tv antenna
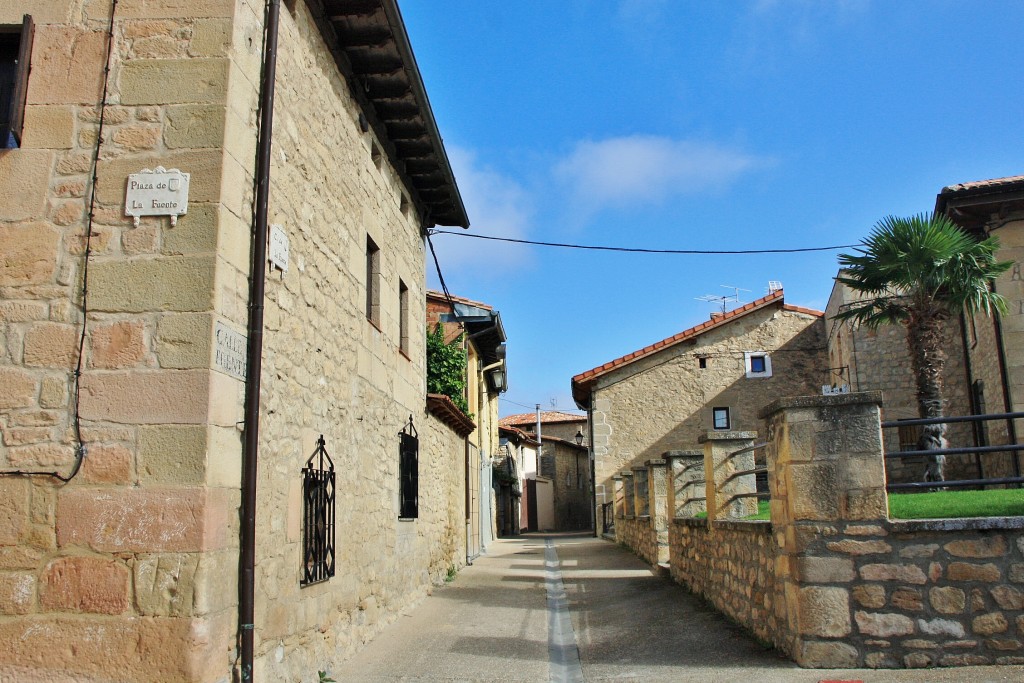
(723, 299)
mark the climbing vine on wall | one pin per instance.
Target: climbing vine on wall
(446, 368)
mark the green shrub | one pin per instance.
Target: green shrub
(446, 368)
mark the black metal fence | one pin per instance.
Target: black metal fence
(931, 455)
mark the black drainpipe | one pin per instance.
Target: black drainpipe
(257, 288)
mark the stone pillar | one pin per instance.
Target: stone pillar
(640, 491)
(617, 497)
(657, 485)
(628, 508)
(719, 465)
(826, 468)
(684, 479)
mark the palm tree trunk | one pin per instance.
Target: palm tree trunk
(928, 360)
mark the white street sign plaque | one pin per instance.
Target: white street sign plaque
(158, 192)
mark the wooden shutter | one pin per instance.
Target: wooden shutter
(21, 79)
(409, 475)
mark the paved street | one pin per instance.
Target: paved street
(575, 608)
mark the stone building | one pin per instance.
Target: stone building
(481, 332)
(984, 356)
(563, 462)
(714, 376)
(131, 350)
(553, 423)
(567, 465)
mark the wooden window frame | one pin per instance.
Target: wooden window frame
(16, 105)
(372, 282)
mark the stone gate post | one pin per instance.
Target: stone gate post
(628, 508)
(657, 486)
(719, 467)
(684, 475)
(825, 469)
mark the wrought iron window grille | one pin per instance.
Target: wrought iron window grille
(408, 472)
(318, 498)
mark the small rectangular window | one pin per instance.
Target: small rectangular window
(409, 472)
(372, 282)
(720, 418)
(15, 54)
(757, 364)
(702, 362)
(403, 318)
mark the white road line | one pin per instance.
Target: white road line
(563, 654)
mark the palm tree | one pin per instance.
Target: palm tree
(920, 272)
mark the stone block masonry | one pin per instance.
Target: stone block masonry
(831, 580)
(135, 561)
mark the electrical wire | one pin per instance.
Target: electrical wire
(80, 450)
(639, 250)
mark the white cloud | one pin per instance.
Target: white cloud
(636, 169)
(497, 206)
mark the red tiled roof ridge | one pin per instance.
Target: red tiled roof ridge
(979, 184)
(551, 416)
(774, 297)
(434, 294)
(801, 309)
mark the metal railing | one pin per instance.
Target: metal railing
(977, 451)
(756, 471)
(686, 498)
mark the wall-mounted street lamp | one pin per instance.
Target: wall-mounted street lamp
(579, 437)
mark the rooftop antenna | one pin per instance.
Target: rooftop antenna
(774, 286)
(723, 299)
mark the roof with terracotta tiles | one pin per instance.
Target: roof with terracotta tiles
(439, 296)
(546, 417)
(584, 379)
(991, 184)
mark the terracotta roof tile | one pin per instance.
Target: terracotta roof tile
(774, 297)
(993, 184)
(439, 296)
(546, 417)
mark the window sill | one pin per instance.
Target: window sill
(375, 326)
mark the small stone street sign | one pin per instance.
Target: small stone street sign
(157, 192)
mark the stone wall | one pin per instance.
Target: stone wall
(637, 534)
(140, 549)
(139, 554)
(571, 482)
(830, 580)
(732, 566)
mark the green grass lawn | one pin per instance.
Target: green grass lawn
(941, 504)
(938, 504)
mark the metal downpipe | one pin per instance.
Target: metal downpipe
(257, 290)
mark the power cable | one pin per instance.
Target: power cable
(639, 250)
(80, 450)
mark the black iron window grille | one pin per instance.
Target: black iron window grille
(318, 496)
(409, 472)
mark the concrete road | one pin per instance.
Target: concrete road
(568, 608)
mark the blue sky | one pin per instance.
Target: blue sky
(694, 125)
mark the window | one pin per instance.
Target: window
(702, 362)
(758, 364)
(720, 418)
(318, 495)
(15, 50)
(372, 282)
(403, 318)
(409, 472)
